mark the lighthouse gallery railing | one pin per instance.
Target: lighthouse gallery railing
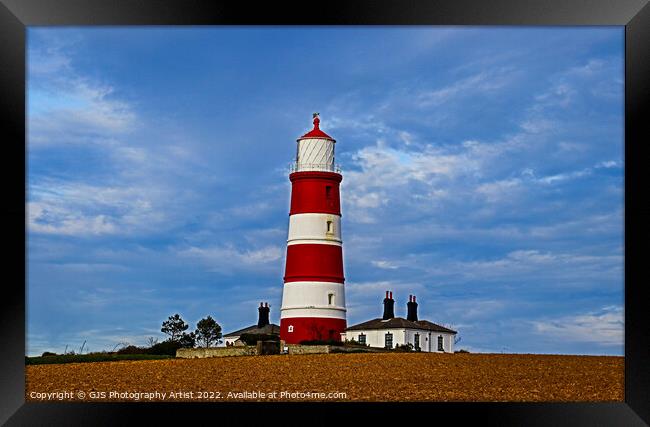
(327, 167)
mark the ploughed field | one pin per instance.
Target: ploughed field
(336, 377)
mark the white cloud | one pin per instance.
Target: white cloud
(383, 264)
(551, 179)
(386, 173)
(228, 258)
(65, 107)
(593, 78)
(484, 82)
(140, 189)
(500, 190)
(72, 208)
(605, 327)
(74, 110)
(608, 164)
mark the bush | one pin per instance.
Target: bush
(354, 343)
(404, 347)
(48, 353)
(95, 357)
(461, 351)
(131, 349)
(252, 339)
(321, 342)
(167, 347)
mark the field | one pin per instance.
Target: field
(336, 377)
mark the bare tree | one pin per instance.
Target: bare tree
(121, 343)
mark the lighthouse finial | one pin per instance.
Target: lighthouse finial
(316, 120)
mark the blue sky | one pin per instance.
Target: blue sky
(482, 172)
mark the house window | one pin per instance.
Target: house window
(388, 340)
(330, 299)
(362, 339)
(417, 341)
(440, 347)
(290, 328)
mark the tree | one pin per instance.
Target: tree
(208, 331)
(174, 327)
(187, 340)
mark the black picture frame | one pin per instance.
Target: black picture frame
(16, 15)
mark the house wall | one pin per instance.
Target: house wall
(230, 340)
(428, 339)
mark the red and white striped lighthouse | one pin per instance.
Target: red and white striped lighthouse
(313, 299)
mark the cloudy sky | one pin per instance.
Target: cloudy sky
(482, 172)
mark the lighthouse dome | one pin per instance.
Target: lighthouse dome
(316, 132)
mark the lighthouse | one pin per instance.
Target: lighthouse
(313, 297)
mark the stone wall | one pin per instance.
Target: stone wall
(268, 348)
(200, 353)
(307, 349)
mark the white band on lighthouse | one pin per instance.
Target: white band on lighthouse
(317, 312)
(316, 228)
(307, 294)
(313, 299)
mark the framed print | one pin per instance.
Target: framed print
(364, 207)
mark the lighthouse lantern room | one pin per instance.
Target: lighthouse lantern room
(313, 298)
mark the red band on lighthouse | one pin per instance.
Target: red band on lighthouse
(314, 262)
(315, 192)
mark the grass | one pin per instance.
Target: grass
(93, 357)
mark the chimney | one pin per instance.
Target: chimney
(263, 318)
(412, 309)
(389, 304)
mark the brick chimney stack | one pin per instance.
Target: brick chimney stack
(412, 309)
(263, 318)
(389, 306)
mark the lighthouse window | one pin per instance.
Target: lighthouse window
(290, 328)
(388, 340)
(330, 227)
(330, 299)
(440, 347)
(328, 192)
(362, 339)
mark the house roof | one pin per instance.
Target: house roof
(271, 329)
(399, 322)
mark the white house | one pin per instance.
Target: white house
(390, 331)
